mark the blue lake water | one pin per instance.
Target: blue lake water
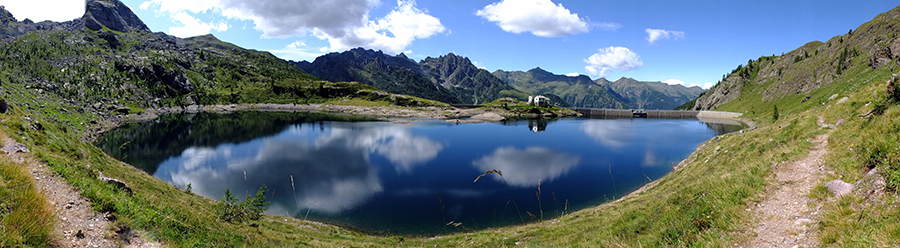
(409, 179)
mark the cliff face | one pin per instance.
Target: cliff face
(395, 74)
(723, 93)
(812, 66)
(459, 75)
(450, 78)
(112, 14)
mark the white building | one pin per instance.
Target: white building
(538, 100)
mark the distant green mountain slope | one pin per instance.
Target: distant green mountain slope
(651, 95)
(578, 91)
(395, 74)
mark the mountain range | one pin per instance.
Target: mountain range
(455, 79)
(108, 63)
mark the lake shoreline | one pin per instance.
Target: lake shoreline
(449, 113)
(343, 110)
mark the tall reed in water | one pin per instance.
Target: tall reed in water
(507, 188)
(615, 191)
(540, 207)
(442, 207)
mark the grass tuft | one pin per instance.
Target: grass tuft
(25, 218)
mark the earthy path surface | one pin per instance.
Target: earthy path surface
(786, 217)
(77, 225)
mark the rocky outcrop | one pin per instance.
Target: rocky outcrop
(472, 85)
(5, 16)
(881, 57)
(395, 74)
(725, 92)
(490, 117)
(112, 14)
(885, 55)
(174, 78)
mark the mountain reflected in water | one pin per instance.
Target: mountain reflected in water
(406, 180)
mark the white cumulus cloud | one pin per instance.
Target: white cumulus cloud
(674, 82)
(609, 26)
(191, 26)
(343, 23)
(479, 65)
(654, 35)
(44, 10)
(298, 51)
(706, 85)
(573, 74)
(540, 17)
(619, 58)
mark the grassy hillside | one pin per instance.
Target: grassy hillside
(652, 95)
(845, 79)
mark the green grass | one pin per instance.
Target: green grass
(860, 144)
(25, 218)
(864, 219)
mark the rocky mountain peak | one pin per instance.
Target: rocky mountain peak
(5, 16)
(112, 14)
(539, 70)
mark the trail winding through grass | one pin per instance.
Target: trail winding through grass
(787, 217)
(77, 225)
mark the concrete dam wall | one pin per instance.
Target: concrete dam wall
(662, 114)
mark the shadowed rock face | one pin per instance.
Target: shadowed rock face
(5, 16)
(112, 14)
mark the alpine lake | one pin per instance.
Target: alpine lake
(412, 177)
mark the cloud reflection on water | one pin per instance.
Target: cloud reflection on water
(397, 144)
(524, 168)
(610, 133)
(332, 174)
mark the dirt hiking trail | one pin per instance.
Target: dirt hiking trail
(77, 225)
(786, 217)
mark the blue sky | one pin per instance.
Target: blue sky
(689, 42)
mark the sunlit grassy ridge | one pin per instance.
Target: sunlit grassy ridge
(838, 81)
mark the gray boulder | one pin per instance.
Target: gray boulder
(839, 188)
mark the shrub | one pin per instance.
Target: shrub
(230, 209)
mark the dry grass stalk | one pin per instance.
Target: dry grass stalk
(507, 188)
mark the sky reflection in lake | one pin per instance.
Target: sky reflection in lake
(398, 179)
